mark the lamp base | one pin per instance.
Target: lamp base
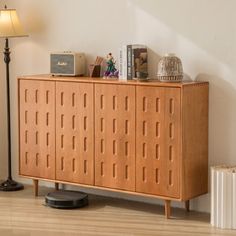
(11, 185)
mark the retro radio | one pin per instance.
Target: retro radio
(67, 64)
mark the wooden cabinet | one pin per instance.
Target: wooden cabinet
(148, 139)
(74, 132)
(37, 128)
(115, 136)
(158, 138)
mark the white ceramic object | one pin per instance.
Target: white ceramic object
(170, 69)
(223, 197)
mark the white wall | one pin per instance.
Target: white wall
(201, 32)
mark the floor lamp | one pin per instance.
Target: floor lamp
(10, 27)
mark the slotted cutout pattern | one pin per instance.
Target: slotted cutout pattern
(26, 158)
(36, 117)
(126, 127)
(47, 97)
(26, 117)
(37, 128)
(75, 125)
(126, 172)
(115, 143)
(47, 119)
(158, 134)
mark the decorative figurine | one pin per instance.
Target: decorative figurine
(111, 70)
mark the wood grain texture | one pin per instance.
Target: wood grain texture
(167, 209)
(57, 186)
(187, 205)
(106, 189)
(153, 82)
(23, 215)
(37, 128)
(147, 139)
(158, 141)
(75, 134)
(36, 187)
(115, 136)
(195, 141)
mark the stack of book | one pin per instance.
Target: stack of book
(133, 62)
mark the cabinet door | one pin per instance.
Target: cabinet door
(37, 128)
(115, 136)
(158, 141)
(74, 127)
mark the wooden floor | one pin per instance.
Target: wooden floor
(22, 214)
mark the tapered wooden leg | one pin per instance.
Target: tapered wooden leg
(167, 209)
(187, 205)
(36, 187)
(57, 186)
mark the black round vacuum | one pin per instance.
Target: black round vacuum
(64, 199)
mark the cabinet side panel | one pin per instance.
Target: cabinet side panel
(158, 141)
(74, 127)
(115, 136)
(195, 140)
(37, 128)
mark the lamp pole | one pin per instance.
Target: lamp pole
(9, 184)
(7, 60)
(10, 27)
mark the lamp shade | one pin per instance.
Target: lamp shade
(10, 25)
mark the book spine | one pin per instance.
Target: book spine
(124, 59)
(121, 72)
(132, 64)
(129, 62)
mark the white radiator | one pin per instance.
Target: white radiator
(223, 197)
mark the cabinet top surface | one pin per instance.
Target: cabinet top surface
(152, 82)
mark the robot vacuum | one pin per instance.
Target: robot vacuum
(64, 199)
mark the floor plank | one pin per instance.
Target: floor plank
(22, 214)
